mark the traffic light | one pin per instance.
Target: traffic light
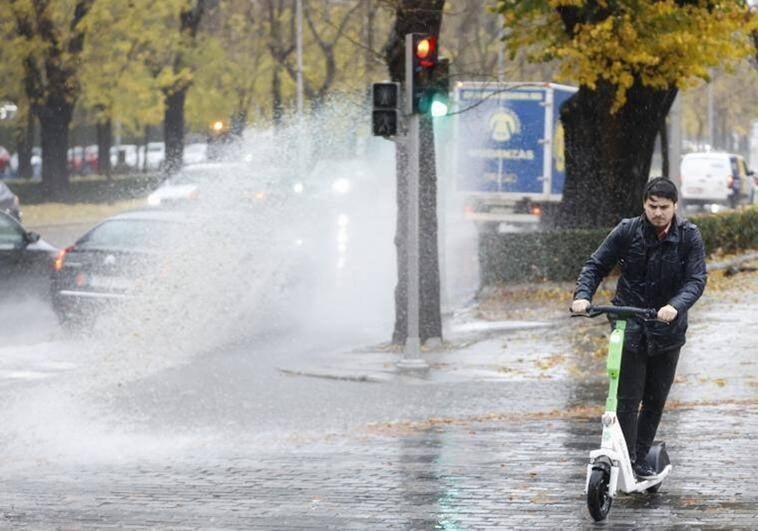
(384, 116)
(428, 75)
(436, 100)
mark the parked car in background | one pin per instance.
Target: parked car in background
(715, 178)
(36, 162)
(9, 202)
(195, 153)
(105, 266)
(5, 162)
(26, 261)
(125, 158)
(83, 160)
(156, 155)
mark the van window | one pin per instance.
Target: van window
(701, 166)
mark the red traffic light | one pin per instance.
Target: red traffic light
(425, 49)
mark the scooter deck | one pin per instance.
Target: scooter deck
(641, 486)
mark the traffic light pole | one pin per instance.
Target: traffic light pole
(412, 356)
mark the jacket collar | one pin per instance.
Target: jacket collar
(674, 233)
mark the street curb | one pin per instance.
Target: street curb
(364, 378)
(369, 365)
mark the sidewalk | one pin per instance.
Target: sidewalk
(535, 339)
(470, 352)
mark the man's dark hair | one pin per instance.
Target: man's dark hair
(661, 187)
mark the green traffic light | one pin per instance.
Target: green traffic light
(439, 107)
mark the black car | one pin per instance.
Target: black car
(25, 260)
(110, 263)
(9, 202)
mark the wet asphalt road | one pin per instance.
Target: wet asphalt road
(223, 439)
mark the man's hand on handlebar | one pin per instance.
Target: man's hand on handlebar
(580, 306)
(668, 313)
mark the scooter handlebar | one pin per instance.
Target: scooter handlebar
(619, 312)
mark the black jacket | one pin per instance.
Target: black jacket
(653, 273)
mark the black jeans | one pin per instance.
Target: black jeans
(645, 379)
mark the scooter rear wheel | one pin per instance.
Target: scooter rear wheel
(658, 459)
(599, 499)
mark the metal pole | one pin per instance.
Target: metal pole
(299, 53)
(675, 140)
(710, 113)
(501, 57)
(412, 358)
(117, 127)
(299, 80)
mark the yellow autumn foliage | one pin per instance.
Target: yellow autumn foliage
(662, 43)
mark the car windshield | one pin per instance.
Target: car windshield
(128, 234)
(697, 166)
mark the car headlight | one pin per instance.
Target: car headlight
(298, 188)
(153, 200)
(341, 186)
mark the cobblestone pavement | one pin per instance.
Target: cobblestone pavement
(511, 473)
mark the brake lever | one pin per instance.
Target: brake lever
(582, 314)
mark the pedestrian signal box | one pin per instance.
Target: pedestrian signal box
(385, 117)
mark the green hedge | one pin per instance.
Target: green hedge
(559, 255)
(93, 189)
(729, 231)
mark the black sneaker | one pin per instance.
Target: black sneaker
(643, 470)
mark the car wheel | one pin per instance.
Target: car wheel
(73, 322)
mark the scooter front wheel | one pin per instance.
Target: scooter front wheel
(598, 498)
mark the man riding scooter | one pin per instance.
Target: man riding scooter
(662, 262)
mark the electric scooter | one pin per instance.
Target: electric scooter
(610, 469)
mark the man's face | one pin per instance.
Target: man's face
(659, 210)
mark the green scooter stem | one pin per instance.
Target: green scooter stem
(615, 348)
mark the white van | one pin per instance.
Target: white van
(715, 178)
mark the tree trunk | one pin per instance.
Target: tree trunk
(24, 144)
(416, 16)
(608, 155)
(54, 125)
(174, 131)
(239, 122)
(104, 141)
